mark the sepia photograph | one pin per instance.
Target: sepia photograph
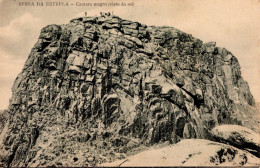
(129, 83)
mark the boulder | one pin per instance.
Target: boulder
(210, 47)
(239, 136)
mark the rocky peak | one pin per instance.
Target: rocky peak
(97, 88)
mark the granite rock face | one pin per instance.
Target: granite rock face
(3, 120)
(99, 87)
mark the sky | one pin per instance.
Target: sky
(233, 24)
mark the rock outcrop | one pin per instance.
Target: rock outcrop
(199, 152)
(238, 136)
(99, 87)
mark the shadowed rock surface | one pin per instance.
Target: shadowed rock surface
(3, 120)
(97, 88)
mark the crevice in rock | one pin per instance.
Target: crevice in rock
(180, 127)
(197, 102)
(11, 157)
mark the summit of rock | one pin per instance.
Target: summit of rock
(97, 88)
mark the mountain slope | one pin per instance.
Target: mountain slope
(99, 87)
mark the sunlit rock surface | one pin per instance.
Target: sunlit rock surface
(190, 152)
